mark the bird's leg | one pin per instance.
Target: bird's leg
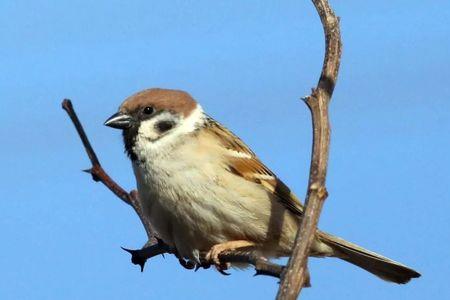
(216, 250)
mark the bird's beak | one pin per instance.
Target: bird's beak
(119, 120)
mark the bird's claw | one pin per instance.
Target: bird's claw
(213, 257)
(222, 267)
(187, 264)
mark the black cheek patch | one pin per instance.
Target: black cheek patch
(164, 126)
(129, 138)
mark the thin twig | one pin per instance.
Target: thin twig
(262, 266)
(99, 174)
(295, 275)
(155, 246)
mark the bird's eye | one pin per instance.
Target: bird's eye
(148, 110)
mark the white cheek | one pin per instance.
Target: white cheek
(148, 131)
(149, 139)
(191, 123)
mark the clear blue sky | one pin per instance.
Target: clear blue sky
(248, 63)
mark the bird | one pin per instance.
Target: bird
(206, 192)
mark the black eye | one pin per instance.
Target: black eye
(148, 110)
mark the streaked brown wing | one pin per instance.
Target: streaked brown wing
(247, 165)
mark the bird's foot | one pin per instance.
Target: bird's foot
(213, 254)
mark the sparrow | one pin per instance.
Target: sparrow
(206, 192)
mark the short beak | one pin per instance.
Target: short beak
(119, 120)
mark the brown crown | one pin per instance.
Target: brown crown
(161, 99)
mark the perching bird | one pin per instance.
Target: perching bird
(205, 191)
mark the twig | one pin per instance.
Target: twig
(99, 174)
(262, 266)
(294, 277)
(155, 246)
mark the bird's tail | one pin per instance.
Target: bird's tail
(376, 264)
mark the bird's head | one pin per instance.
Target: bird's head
(155, 116)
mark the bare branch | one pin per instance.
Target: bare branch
(262, 266)
(99, 174)
(295, 276)
(155, 246)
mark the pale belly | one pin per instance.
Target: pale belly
(193, 210)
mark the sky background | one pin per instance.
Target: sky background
(248, 63)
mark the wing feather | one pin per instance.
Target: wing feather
(244, 162)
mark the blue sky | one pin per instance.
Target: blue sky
(247, 63)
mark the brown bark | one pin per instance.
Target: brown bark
(296, 275)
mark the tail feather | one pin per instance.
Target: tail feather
(376, 264)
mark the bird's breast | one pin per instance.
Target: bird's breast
(194, 203)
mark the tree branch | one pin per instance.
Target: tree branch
(295, 275)
(99, 174)
(155, 246)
